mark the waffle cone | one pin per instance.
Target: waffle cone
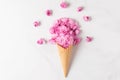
(65, 54)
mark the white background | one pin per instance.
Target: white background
(22, 59)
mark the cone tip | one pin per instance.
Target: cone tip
(65, 75)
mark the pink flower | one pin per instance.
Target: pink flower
(64, 4)
(52, 41)
(73, 27)
(64, 20)
(79, 9)
(72, 22)
(86, 18)
(52, 30)
(77, 31)
(49, 12)
(64, 32)
(89, 39)
(37, 23)
(41, 41)
(77, 41)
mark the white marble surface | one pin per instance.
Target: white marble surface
(22, 59)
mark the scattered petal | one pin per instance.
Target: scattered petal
(41, 41)
(89, 39)
(86, 18)
(79, 9)
(49, 12)
(37, 23)
(64, 4)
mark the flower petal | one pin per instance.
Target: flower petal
(86, 18)
(89, 39)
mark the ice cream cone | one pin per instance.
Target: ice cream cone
(65, 54)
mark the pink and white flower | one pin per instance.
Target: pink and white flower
(49, 12)
(64, 4)
(89, 39)
(65, 32)
(80, 8)
(86, 18)
(36, 23)
(41, 41)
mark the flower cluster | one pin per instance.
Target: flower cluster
(65, 32)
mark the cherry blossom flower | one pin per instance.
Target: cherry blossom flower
(79, 9)
(77, 41)
(41, 41)
(86, 18)
(49, 12)
(89, 39)
(52, 41)
(64, 4)
(36, 23)
(65, 32)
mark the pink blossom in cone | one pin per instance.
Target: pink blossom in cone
(65, 32)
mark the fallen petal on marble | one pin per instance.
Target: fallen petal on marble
(89, 39)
